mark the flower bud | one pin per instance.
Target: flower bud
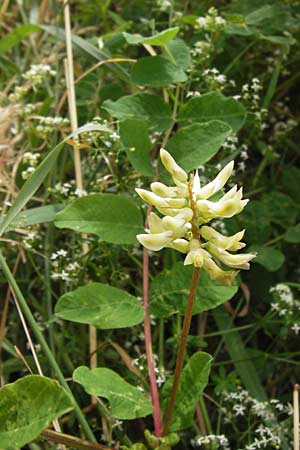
(226, 242)
(172, 167)
(216, 273)
(239, 261)
(180, 244)
(166, 191)
(217, 184)
(155, 242)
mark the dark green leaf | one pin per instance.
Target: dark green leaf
(151, 108)
(196, 144)
(126, 401)
(292, 234)
(27, 407)
(134, 136)
(214, 106)
(193, 380)
(180, 52)
(170, 290)
(156, 71)
(114, 218)
(100, 305)
(268, 257)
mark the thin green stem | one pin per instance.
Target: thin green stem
(40, 338)
(182, 346)
(72, 441)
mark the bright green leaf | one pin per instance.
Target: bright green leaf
(114, 218)
(17, 35)
(156, 71)
(196, 144)
(27, 407)
(33, 216)
(170, 290)
(126, 401)
(134, 136)
(268, 257)
(103, 306)
(214, 106)
(159, 39)
(193, 380)
(151, 108)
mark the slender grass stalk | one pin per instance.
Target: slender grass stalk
(72, 441)
(296, 417)
(77, 162)
(182, 346)
(40, 338)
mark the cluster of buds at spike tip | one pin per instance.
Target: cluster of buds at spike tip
(186, 210)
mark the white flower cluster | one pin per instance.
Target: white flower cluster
(48, 124)
(211, 22)
(186, 208)
(286, 306)
(251, 93)
(266, 439)
(39, 73)
(63, 268)
(216, 80)
(202, 50)
(214, 440)
(31, 160)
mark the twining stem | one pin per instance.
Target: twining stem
(72, 441)
(182, 346)
(148, 345)
(40, 338)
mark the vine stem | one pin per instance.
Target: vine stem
(40, 338)
(148, 345)
(182, 346)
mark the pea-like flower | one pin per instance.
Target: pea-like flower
(186, 210)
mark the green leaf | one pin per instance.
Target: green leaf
(180, 53)
(193, 380)
(292, 234)
(151, 108)
(114, 218)
(214, 106)
(33, 216)
(280, 208)
(40, 173)
(27, 407)
(170, 290)
(268, 257)
(196, 144)
(156, 71)
(126, 401)
(159, 39)
(103, 306)
(135, 138)
(17, 35)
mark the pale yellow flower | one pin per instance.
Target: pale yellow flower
(185, 208)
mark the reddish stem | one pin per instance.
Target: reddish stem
(182, 346)
(148, 345)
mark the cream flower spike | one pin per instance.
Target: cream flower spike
(185, 209)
